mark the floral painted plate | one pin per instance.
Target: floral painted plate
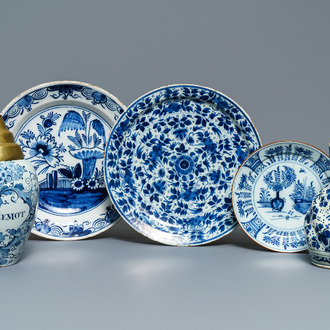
(273, 190)
(170, 162)
(62, 129)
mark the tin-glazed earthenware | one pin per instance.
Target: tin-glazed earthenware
(273, 190)
(317, 228)
(171, 159)
(62, 128)
(19, 193)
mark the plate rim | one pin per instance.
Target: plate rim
(60, 82)
(232, 192)
(197, 86)
(79, 83)
(255, 131)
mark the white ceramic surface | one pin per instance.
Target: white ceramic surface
(317, 228)
(273, 190)
(19, 192)
(62, 129)
(171, 159)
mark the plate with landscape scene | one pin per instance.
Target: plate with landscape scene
(62, 129)
(273, 190)
(171, 159)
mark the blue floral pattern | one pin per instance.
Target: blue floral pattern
(273, 191)
(170, 162)
(19, 193)
(62, 128)
(317, 228)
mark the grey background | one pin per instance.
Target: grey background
(271, 57)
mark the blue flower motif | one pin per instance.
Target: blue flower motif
(99, 98)
(172, 107)
(42, 226)
(142, 124)
(43, 149)
(10, 172)
(65, 91)
(184, 161)
(25, 102)
(50, 119)
(179, 126)
(160, 186)
(2, 237)
(161, 172)
(49, 146)
(315, 243)
(308, 228)
(215, 176)
(77, 230)
(3, 176)
(225, 121)
(323, 236)
(180, 133)
(77, 184)
(181, 149)
(184, 165)
(157, 151)
(209, 146)
(241, 154)
(197, 236)
(323, 202)
(189, 195)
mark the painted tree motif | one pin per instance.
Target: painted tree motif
(88, 146)
(278, 180)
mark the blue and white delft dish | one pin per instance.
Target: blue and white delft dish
(273, 190)
(19, 192)
(317, 228)
(62, 129)
(171, 159)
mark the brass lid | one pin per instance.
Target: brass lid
(9, 150)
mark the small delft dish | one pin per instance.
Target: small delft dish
(317, 228)
(62, 128)
(170, 162)
(273, 190)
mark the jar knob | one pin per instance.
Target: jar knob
(9, 150)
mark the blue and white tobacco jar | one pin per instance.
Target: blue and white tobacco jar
(317, 228)
(19, 195)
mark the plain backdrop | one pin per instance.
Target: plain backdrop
(272, 58)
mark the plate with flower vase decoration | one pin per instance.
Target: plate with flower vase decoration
(273, 190)
(171, 159)
(62, 128)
